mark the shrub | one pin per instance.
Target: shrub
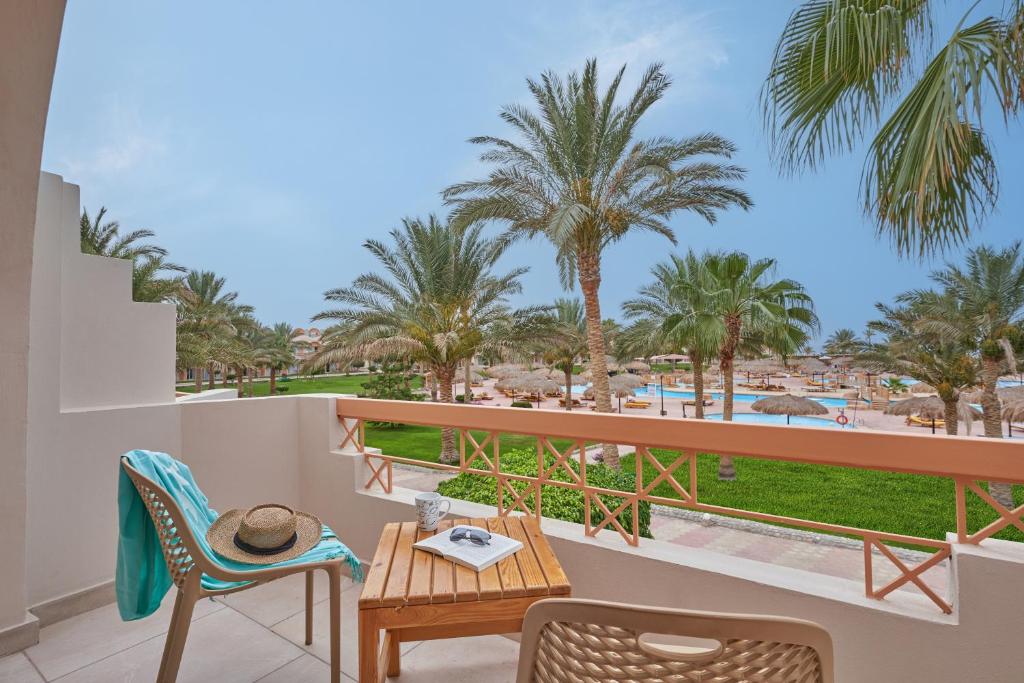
(521, 404)
(556, 502)
(460, 398)
(280, 389)
(357, 363)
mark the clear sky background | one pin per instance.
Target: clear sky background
(267, 141)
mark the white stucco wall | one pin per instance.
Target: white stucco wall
(98, 366)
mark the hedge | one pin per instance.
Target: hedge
(556, 502)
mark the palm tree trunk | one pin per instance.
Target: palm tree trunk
(568, 388)
(211, 382)
(240, 381)
(198, 378)
(252, 375)
(698, 384)
(590, 281)
(433, 386)
(991, 409)
(449, 454)
(951, 415)
(273, 380)
(726, 468)
(467, 394)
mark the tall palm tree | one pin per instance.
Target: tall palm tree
(749, 308)
(439, 285)
(581, 180)
(846, 69)
(277, 351)
(669, 315)
(909, 348)
(989, 294)
(206, 313)
(568, 341)
(842, 342)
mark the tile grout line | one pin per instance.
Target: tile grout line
(271, 673)
(32, 664)
(162, 634)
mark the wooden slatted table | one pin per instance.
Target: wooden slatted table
(415, 595)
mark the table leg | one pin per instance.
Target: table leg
(369, 646)
(392, 644)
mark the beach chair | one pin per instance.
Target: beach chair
(637, 404)
(196, 575)
(918, 421)
(603, 642)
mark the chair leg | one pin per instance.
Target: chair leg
(309, 607)
(174, 645)
(334, 573)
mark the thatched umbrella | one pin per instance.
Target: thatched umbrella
(1013, 411)
(533, 384)
(505, 370)
(931, 408)
(788, 405)
(637, 366)
(922, 388)
(812, 365)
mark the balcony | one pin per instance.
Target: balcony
(89, 378)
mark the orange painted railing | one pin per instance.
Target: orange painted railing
(968, 461)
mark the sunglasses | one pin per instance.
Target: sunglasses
(472, 535)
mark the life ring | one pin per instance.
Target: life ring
(842, 420)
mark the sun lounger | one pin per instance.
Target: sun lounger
(708, 401)
(637, 404)
(917, 421)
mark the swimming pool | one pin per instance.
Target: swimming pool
(738, 398)
(799, 420)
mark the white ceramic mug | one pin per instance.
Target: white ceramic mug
(428, 510)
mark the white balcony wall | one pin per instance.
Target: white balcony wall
(98, 385)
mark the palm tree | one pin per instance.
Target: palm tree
(568, 341)
(840, 66)
(104, 239)
(205, 314)
(277, 350)
(669, 316)
(438, 292)
(154, 279)
(580, 180)
(749, 309)
(989, 295)
(909, 348)
(842, 342)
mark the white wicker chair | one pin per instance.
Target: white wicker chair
(187, 562)
(587, 641)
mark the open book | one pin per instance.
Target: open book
(467, 553)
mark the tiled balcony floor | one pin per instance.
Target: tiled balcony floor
(255, 635)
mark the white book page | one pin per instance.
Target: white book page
(468, 553)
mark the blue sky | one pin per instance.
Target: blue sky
(266, 141)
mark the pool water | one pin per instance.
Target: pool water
(798, 420)
(737, 397)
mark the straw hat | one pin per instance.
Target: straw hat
(264, 534)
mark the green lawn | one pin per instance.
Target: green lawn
(910, 504)
(345, 384)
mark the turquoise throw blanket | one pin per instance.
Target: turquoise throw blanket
(142, 578)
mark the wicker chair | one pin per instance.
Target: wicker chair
(187, 563)
(587, 641)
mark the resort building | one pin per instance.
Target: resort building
(85, 378)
